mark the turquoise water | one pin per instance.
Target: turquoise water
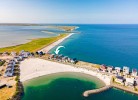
(70, 86)
(115, 45)
(60, 86)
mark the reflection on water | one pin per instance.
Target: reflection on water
(14, 35)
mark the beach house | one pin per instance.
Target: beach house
(120, 80)
(129, 82)
(136, 80)
(24, 54)
(13, 54)
(51, 56)
(110, 69)
(10, 69)
(103, 68)
(125, 70)
(117, 69)
(134, 72)
(64, 59)
(73, 61)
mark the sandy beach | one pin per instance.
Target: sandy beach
(48, 48)
(35, 67)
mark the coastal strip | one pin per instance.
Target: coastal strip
(34, 45)
(49, 47)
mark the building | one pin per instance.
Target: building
(129, 82)
(134, 72)
(103, 68)
(117, 69)
(136, 80)
(24, 54)
(65, 59)
(110, 69)
(125, 70)
(13, 54)
(10, 69)
(51, 56)
(73, 61)
(120, 80)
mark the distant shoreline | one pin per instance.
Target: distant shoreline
(12, 47)
(19, 24)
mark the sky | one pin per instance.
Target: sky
(69, 11)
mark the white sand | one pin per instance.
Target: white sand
(48, 48)
(34, 67)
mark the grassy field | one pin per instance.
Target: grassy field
(6, 93)
(34, 45)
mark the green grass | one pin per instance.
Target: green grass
(34, 45)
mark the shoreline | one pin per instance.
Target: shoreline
(39, 67)
(36, 67)
(49, 47)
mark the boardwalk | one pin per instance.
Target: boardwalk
(88, 92)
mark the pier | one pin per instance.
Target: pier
(89, 92)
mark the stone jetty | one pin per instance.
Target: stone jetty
(89, 92)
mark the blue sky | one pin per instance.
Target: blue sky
(69, 11)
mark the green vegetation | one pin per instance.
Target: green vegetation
(2, 62)
(34, 45)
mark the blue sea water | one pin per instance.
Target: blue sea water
(115, 45)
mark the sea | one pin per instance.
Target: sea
(115, 45)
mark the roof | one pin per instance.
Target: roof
(118, 68)
(134, 70)
(119, 77)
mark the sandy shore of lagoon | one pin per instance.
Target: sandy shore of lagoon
(35, 67)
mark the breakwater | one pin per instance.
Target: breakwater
(89, 92)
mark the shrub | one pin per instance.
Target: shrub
(2, 62)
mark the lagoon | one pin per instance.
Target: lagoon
(11, 35)
(60, 86)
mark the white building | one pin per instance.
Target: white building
(110, 69)
(129, 82)
(125, 70)
(117, 69)
(134, 72)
